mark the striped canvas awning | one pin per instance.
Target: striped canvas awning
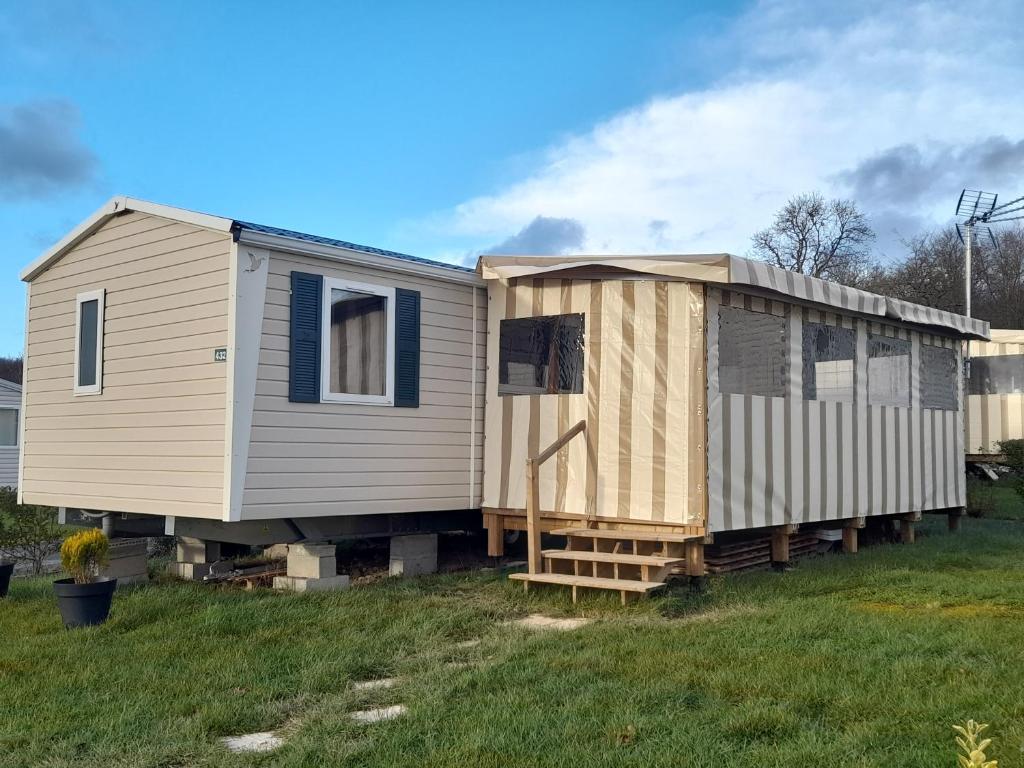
(724, 268)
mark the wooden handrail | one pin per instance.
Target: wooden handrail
(533, 465)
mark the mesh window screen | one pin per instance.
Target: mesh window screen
(751, 353)
(541, 355)
(888, 371)
(997, 375)
(938, 378)
(828, 357)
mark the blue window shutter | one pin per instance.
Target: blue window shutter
(407, 348)
(304, 355)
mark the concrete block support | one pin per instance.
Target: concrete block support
(413, 555)
(194, 557)
(311, 568)
(312, 561)
(128, 562)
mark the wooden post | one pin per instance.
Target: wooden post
(907, 526)
(850, 534)
(495, 535)
(907, 531)
(695, 557)
(954, 518)
(532, 516)
(780, 542)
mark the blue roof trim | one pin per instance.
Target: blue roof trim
(344, 244)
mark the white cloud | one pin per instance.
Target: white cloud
(807, 99)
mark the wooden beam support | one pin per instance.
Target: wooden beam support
(694, 557)
(907, 531)
(850, 540)
(780, 542)
(954, 518)
(495, 535)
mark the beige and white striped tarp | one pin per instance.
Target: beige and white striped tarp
(775, 460)
(725, 269)
(643, 455)
(995, 417)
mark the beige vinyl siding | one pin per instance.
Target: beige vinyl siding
(9, 398)
(153, 440)
(308, 459)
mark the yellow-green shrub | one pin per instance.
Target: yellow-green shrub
(84, 553)
(973, 750)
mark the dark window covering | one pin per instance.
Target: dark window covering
(997, 375)
(938, 378)
(87, 335)
(541, 355)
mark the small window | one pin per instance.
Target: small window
(541, 355)
(997, 375)
(8, 427)
(89, 343)
(938, 378)
(828, 355)
(358, 334)
(751, 353)
(888, 371)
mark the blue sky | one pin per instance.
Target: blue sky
(444, 129)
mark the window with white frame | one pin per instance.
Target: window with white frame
(8, 427)
(357, 363)
(888, 371)
(89, 343)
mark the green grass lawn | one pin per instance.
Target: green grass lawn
(861, 660)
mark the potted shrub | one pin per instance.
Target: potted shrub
(84, 599)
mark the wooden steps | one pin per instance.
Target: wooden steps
(619, 558)
(622, 586)
(628, 561)
(660, 537)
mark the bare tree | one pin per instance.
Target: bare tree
(999, 280)
(933, 275)
(830, 239)
(10, 369)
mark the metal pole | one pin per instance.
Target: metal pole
(968, 231)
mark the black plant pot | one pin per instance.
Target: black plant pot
(6, 569)
(82, 605)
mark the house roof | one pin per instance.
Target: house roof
(10, 386)
(727, 269)
(267, 230)
(121, 204)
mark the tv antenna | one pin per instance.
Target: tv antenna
(978, 210)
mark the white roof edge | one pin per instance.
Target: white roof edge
(115, 205)
(350, 256)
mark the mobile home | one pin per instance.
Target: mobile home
(10, 412)
(250, 383)
(702, 395)
(995, 392)
(259, 385)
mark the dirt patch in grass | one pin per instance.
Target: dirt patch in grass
(969, 611)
